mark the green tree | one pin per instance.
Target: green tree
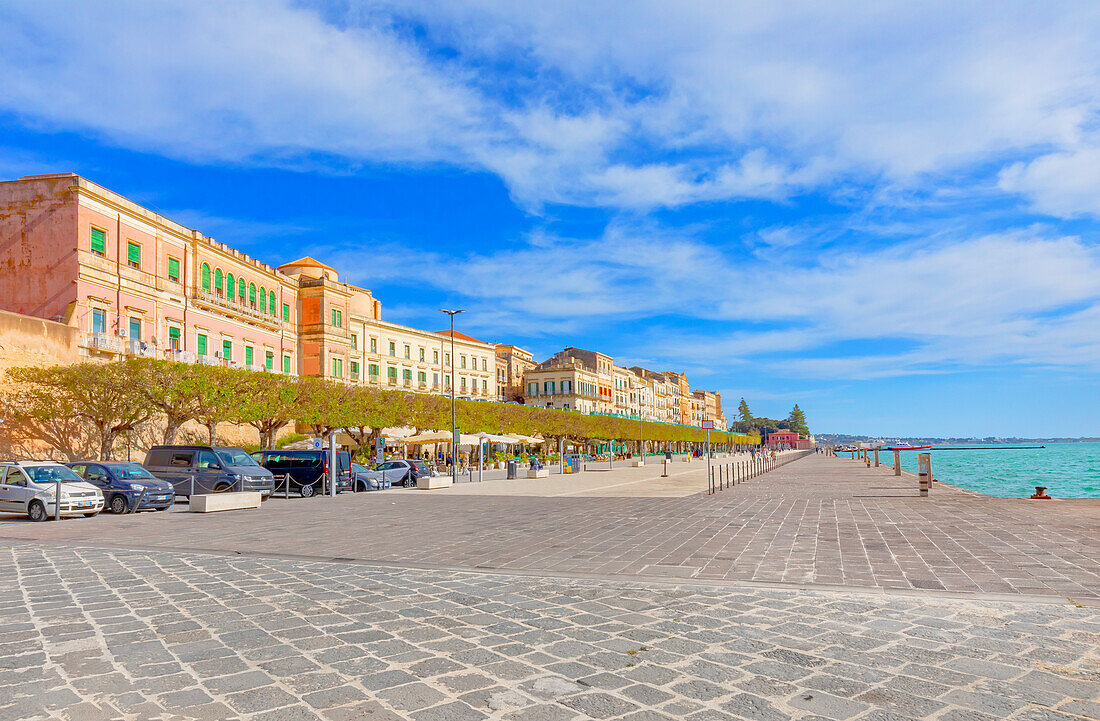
(268, 403)
(102, 395)
(221, 397)
(743, 411)
(796, 421)
(174, 389)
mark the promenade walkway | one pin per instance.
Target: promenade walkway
(819, 521)
(821, 590)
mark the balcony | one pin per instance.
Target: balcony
(422, 385)
(435, 386)
(256, 368)
(373, 378)
(208, 360)
(104, 342)
(223, 305)
(141, 349)
(391, 381)
(354, 375)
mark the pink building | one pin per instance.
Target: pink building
(136, 283)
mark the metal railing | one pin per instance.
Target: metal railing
(727, 475)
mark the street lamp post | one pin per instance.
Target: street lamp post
(641, 429)
(454, 441)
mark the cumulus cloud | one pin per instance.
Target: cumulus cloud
(917, 307)
(1064, 184)
(638, 106)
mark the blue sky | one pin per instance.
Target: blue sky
(886, 212)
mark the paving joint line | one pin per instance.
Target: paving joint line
(715, 584)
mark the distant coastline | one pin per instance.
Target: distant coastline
(828, 438)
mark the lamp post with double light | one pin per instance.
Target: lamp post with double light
(454, 431)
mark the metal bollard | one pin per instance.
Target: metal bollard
(192, 488)
(134, 508)
(57, 501)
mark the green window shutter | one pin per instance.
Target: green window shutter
(263, 300)
(339, 368)
(227, 350)
(391, 372)
(218, 279)
(173, 269)
(174, 338)
(133, 254)
(240, 289)
(201, 344)
(286, 312)
(269, 360)
(248, 355)
(251, 292)
(354, 367)
(333, 311)
(373, 369)
(286, 364)
(206, 277)
(99, 241)
(230, 286)
(271, 304)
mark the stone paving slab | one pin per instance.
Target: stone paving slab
(137, 634)
(817, 522)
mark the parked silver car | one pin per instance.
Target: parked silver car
(402, 471)
(30, 487)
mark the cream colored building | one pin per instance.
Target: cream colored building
(562, 383)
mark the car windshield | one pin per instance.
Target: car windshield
(235, 457)
(129, 471)
(358, 468)
(51, 474)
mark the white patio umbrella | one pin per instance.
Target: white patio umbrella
(427, 437)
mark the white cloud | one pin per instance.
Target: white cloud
(921, 307)
(1064, 184)
(639, 106)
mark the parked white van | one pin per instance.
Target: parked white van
(30, 487)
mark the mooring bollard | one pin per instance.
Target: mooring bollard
(924, 472)
(897, 462)
(1041, 493)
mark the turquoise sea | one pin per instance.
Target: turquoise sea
(1068, 470)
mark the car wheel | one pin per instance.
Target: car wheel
(409, 482)
(222, 488)
(119, 504)
(307, 491)
(36, 511)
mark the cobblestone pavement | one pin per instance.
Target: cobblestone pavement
(88, 634)
(815, 522)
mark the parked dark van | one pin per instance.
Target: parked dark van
(216, 469)
(306, 469)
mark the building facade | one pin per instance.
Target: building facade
(134, 283)
(512, 363)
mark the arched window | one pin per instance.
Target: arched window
(252, 294)
(206, 277)
(218, 280)
(230, 286)
(263, 299)
(272, 299)
(240, 289)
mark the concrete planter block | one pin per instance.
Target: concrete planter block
(430, 483)
(541, 473)
(211, 502)
(637, 464)
(687, 459)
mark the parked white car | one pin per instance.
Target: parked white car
(30, 487)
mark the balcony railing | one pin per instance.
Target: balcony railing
(373, 377)
(209, 360)
(141, 348)
(392, 381)
(354, 375)
(103, 342)
(202, 297)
